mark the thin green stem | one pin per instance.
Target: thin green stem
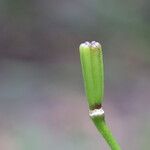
(102, 127)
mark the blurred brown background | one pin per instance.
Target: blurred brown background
(42, 100)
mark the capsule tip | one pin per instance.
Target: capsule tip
(95, 44)
(91, 45)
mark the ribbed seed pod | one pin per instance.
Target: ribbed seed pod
(92, 68)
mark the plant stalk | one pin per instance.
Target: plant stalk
(99, 120)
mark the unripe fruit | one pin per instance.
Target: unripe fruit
(92, 68)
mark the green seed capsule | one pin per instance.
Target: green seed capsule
(92, 68)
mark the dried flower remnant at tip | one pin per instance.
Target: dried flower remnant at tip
(95, 45)
(91, 45)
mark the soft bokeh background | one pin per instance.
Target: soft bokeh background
(42, 99)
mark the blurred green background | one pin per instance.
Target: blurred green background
(42, 100)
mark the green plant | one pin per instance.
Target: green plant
(91, 58)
